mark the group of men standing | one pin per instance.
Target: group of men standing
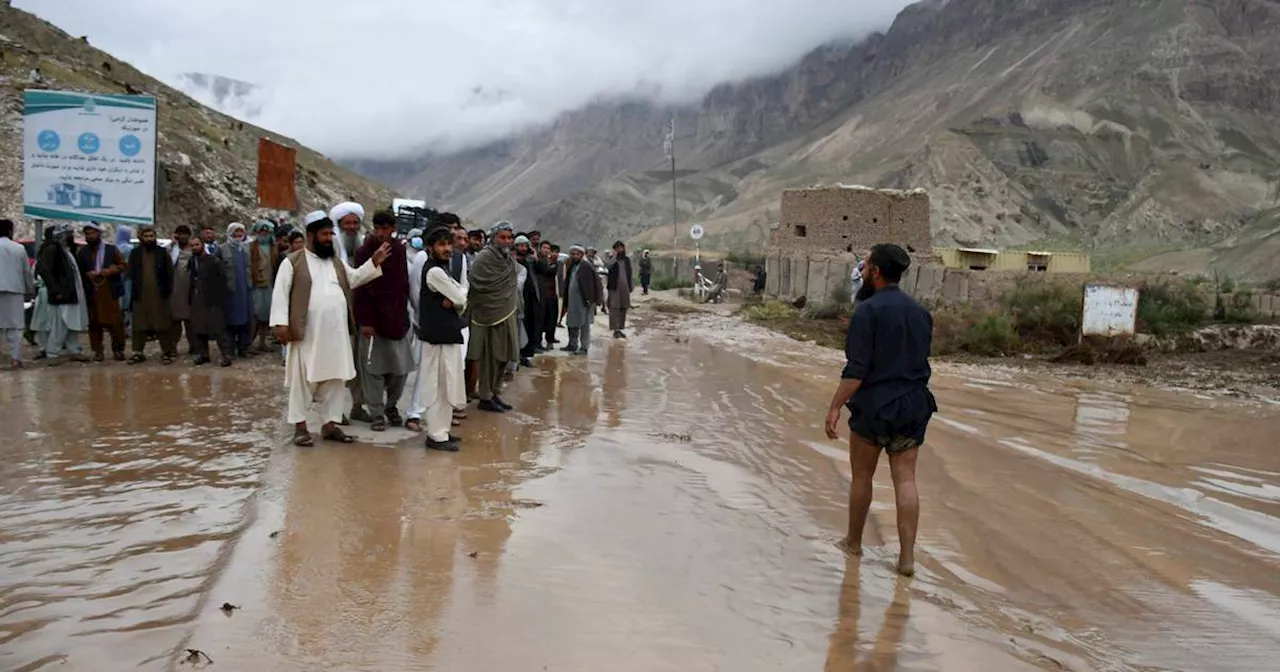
(447, 315)
(214, 293)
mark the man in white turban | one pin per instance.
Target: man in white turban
(349, 219)
(311, 311)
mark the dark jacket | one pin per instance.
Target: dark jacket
(384, 303)
(588, 283)
(532, 287)
(620, 265)
(58, 275)
(761, 278)
(548, 273)
(86, 257)
(437, 325)
(209, 294)
(454, 268)
(646, 266)
(164, 272)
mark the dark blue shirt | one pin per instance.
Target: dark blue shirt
(887, 348)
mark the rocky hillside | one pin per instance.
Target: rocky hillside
(208, 160)
(1086, 122)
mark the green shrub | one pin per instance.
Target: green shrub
(968, 329)
(664, 282)
(1170, 308)
(1045, 313)
(769, 310)
(991, 336)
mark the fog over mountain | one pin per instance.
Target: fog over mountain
(397, 78)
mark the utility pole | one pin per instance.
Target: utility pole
(670, 146)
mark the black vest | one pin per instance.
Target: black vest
(437, 325)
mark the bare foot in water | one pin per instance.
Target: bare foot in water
(850, 548)
(906, 565)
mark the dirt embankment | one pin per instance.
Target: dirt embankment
(1226, 360)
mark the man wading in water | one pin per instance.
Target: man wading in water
(886, 387)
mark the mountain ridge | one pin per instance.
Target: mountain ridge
(1099, 121)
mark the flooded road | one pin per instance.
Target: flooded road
(668, 503)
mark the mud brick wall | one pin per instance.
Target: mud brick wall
(835, 220)
(929, 281)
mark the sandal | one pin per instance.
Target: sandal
(379, 424)
(137, 358)
(413, 425)
(166, 359)
(302, 438)
(456, 422)
(337, 436)
(460, 414)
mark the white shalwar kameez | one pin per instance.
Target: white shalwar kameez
(317, 367)
(416, 264)
(441, 386)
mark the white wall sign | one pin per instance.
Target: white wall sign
(696, 232)
(1109, 311)
(88, 156)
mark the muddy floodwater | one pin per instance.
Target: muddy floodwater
(668, 503)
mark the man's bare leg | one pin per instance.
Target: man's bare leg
(862, 460)
(903, 468)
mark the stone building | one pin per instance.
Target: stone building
(841, 219)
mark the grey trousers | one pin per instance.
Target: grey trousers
(618, 319)
(580, 337)
(382, 392)
(14, 338)
(489, 382)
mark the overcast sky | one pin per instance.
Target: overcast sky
(395, 77)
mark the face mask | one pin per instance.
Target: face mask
(415, 243)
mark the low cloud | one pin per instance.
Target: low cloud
(396, 78)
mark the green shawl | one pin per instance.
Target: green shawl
(492, 296)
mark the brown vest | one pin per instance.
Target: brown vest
(300, 294)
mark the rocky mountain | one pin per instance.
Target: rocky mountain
(1070, 122)
(208, 160)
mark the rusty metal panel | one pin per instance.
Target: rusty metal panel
(277, 170)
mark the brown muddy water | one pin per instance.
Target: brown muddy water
(668, 503)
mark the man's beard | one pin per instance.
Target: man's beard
(349, 241)
(150, 244)
(323, 250)
(866, 291)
